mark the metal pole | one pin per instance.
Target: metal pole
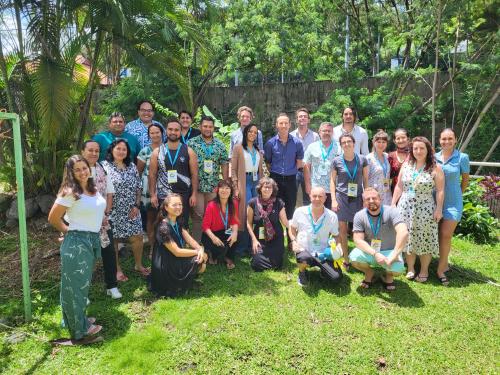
(21, 211)
(236, 80)
(346, 63)
(282, 71)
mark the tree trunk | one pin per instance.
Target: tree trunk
(434, 82)
(479, 118)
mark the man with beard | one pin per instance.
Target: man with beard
(380, 235)
(348, 126)
(212, 161)
(174, 169)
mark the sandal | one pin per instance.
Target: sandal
(87, 340)
(91, 320)
(390, 287)
(410, 275)
(120, 276)
(444, 280)
(94, 329)
(143, 271)
(230, 265)
(366, 284)
(421, 279)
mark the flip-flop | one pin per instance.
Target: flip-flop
(94, 329)
(120, 276)
(143, 272)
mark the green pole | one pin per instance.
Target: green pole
(21, 211)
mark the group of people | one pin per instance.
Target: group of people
(199, 203)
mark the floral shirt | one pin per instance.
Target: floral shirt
(140, 131)
(211, 157)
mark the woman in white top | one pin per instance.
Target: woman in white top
(379, 169)
(84, 207)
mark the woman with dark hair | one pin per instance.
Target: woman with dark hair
(413, 195)
(246, 170)
(456, 170)
(349, 175)
(398, 157)
(174, 265)
(104, 185)
(220, 225)
(84, 207)
(378, 167)
(155, 133)
(266, 217)
(125, 215)
(187, 131)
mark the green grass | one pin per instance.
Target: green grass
(250, 323)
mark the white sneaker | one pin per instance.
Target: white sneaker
(114, 293)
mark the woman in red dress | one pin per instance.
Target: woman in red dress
(397, 158)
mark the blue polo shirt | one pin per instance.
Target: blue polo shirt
(106, 138)
(283, 157)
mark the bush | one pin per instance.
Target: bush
(477, 224)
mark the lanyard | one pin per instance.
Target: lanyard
(385, 165)
(355, 171)
(176, 230)
(208, 149)
(253, 154)
(328, 151)
(376, 229)
(316, 227)
(416, 173)
(186, 138)
(222, 217)
(167, 151)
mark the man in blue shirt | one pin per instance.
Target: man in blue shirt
(283, 154)
(139, 127)
(116, 126)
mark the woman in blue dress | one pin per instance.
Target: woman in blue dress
(456, 169)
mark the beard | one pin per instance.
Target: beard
(173, 137)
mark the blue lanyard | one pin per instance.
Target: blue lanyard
(178, 233)
(385, 165)
(415, 174)
(186, 138)
(167, 151)
(328, 151)
(353, 175)
(253, 154)
(376, 229)
(222, 217)
(316, 227)
(208, 150)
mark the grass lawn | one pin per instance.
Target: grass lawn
(264, 323)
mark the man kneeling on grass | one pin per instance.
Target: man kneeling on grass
(310, 231)
(380, 235)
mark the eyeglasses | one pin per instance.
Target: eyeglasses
(345, 142)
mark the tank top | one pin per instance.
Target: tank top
(183, 184)
(249, 166)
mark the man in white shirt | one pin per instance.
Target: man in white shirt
(310, 230)
(306, 136)
(349, 127)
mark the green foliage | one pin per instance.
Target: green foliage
(477, 221)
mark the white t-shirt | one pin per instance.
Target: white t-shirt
(306, 238)
(360, 136)
(84, 214)
(249, 167)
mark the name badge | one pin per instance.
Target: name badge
(262, 235)
(387, 184)
(172, 176)
(208, 166)
(228, 232)
(352, 189)
(315, 240)
(376, 245)
(255, 176)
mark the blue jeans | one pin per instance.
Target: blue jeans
(299, 178)
(250, 188)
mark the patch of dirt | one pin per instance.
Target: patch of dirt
(43, 258)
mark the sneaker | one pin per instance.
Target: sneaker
(114, 293)
(302, 279)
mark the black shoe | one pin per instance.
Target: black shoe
(302, 279)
